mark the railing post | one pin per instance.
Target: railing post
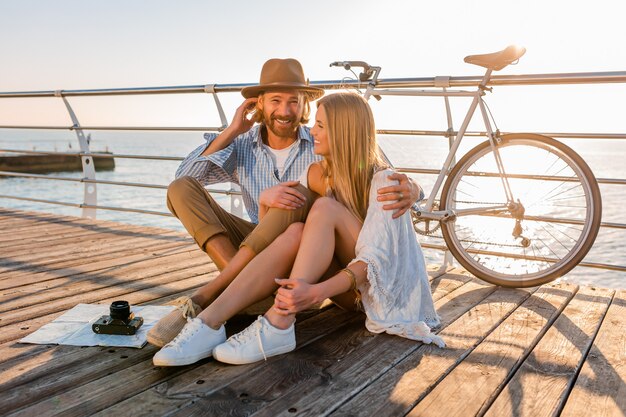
(90, 193)
(236, 203)
(444, 82)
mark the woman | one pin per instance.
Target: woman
(386, 269)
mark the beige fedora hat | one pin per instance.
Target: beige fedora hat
(280, 74)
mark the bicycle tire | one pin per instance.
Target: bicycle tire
(563, 211)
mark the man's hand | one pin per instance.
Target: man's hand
(240, 123)
(293, 296)
(283, 196)
(404, 194)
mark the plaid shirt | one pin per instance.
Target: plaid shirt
(247, 163)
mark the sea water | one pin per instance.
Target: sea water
(605, 157)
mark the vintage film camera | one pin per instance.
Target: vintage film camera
(120, 321)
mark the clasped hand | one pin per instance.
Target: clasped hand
(294, 295)
(283, 196)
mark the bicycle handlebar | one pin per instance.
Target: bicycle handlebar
(368, 70)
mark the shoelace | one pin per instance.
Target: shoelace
(186, 306)
(187, 332)
(248, 333)
(187, 309)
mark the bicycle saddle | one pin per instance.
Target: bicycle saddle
(497, 60)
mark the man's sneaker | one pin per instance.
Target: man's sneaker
(169, 326)
(258, 341)
(196, 341)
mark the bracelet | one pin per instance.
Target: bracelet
(357, 294)
(352, 278)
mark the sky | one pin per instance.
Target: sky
(85, 44)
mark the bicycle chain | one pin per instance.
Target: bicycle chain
(478, 202)
(491, 243)
(428, 233)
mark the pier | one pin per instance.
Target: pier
(558, 349)
(51, 163)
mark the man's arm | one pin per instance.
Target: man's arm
(240, 124)
(223, 168)
(403, 195)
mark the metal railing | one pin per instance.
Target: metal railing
(89, 204)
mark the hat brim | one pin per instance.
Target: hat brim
(253, 91)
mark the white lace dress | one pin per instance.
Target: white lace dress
(396, 296)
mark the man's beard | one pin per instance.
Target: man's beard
(282, 131)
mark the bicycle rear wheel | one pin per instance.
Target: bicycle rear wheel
(562, 203)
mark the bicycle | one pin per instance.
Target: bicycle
(517, 210)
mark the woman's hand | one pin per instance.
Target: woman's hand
(403, 194)
(283, 195)
(294, 295)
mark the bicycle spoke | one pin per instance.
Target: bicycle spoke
(555, 193)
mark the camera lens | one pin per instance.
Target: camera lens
(120, 310)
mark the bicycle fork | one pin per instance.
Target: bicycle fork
(515, 208)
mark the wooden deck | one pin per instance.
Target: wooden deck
(553, 350)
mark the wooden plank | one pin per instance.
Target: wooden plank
(89, 249)
(33, 230)
(44, 285)
(399, 389)
(34, 272)
(11, 350)
(357, 379)
(50, 218)
(600, 389)
(40, 273)
(23, 242)
(19, 219)
(541, 384)
(96, 286)
(87, 241)
(285, 371)
(92, 396)
(448, 282)
(331, 370)
(491, 363)
(184, 280)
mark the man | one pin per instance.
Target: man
(265, 160)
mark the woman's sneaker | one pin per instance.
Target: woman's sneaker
(258, 341)
(196, 341)
(170, 326)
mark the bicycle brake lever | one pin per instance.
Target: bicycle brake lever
(345, 65)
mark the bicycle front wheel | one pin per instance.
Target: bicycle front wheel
(562, 204)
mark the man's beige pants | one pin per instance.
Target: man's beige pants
(203, 218)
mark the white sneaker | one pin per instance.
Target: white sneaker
(258, 341)
(194, 342)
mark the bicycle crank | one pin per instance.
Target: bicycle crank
(517, 211)
(423, 226)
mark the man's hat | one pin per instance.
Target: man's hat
(282, 74)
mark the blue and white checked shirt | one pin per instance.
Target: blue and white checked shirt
(247, 163)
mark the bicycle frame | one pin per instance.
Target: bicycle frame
(426, 212)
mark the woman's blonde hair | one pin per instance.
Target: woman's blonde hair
(354, 154)
(303, 99)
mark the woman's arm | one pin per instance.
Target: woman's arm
(315, 179)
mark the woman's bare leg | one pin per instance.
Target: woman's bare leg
(330, 230)
(256, 279)
(206, 294)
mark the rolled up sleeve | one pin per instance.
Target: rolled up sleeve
(217, 167)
